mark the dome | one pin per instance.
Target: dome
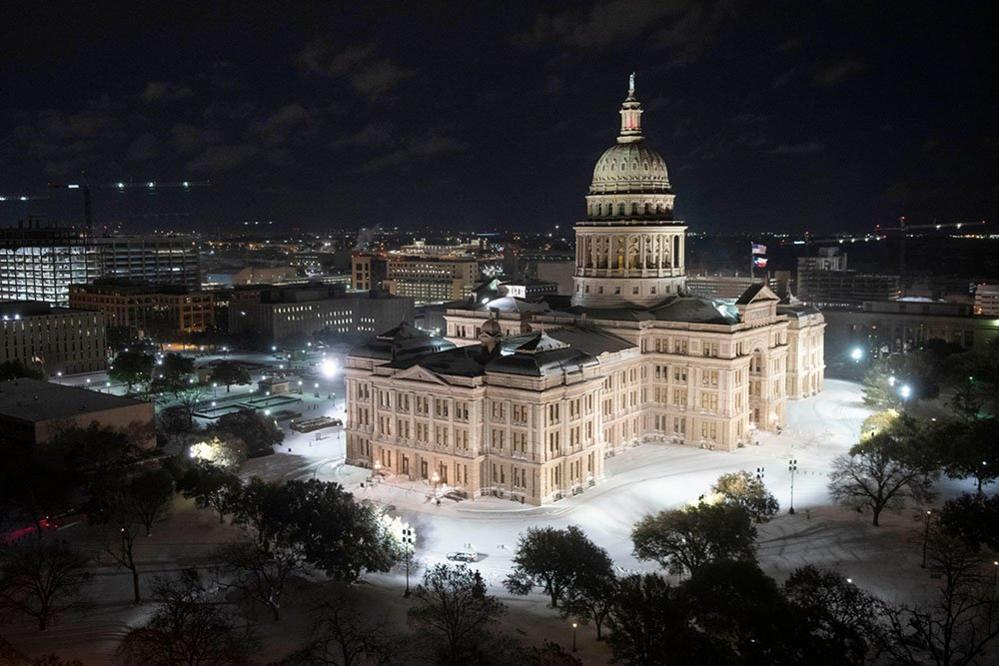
(630, 167)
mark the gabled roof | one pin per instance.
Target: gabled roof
(755, 293)
(402, 345)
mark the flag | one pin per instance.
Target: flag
(759, 262)
(759, 249)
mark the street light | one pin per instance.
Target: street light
(857, 354)
(905, 391)
(574, 625)
(409, 546)
(792, 467)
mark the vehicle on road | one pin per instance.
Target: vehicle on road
(462, 556)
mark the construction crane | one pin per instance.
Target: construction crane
(905, 228)
(85, 188)
(151, 187)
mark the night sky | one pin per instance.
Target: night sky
(825, 116)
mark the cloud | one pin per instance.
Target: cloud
(223, 157)
(280, 126)
(372, 134)
(416, 148)
(164, 91)
(368, 73)
(838, 72)
(685, 25)
(66, 142)
(190, 139)
(143, 148)
(798, 148)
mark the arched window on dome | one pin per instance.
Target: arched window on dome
(620, 209)
(648, 208)
(634, 209)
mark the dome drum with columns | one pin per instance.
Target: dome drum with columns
(629, 249)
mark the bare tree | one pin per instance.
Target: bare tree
(956, 628)
(452, 606)
(259, 573)
(879, 473)
(341, 638)
(41, 577)
(188, 627)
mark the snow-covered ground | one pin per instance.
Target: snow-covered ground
(647, 478)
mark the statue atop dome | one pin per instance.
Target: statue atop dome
(631, 85)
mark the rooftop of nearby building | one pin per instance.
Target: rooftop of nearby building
(23, 309)
(34, 400)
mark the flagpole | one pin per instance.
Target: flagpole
(752, 262)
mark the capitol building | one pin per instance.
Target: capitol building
(526, 398)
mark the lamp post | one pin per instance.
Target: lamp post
(792, 468)
(995, 572)
(409, 546)
(574, 626)
(926, 535)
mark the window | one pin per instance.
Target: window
(499, 413)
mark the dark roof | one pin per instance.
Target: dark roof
(34, 400)
(539, 354)
(593, 340)
(750, 293)
(696, 310)
(403, 345)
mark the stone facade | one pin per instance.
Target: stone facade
(525, 397)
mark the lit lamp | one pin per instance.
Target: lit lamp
(856, 354)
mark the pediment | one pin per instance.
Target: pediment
(420, 374)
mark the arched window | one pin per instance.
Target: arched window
(648, 208)
(620, 209)
(634, 209)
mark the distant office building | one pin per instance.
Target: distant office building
(277, 313)
(155, 259)
(528, 288)
(560, 272)
(887, 327)
(251, 275)
(32, 412)
(717, 286)
(368, 271)
(432, 280)
(987, 300)
(55, 340)
(826, 259)
(39, 264)
(146, 308)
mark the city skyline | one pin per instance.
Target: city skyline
(825, 119)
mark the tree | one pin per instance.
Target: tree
(334, 533)
(131, 368)
(259, 433)
(211, 487)
(880, 390)
(452, 607)
(686, 539)
(341, 638)
(839, 612)
(16, 369)
(648, 626)
(150, 494)
(119, 517)
(971, 450)
(260, 574)
(554, 559)
(591, 597)
(188, 627)
(956, 628)
(742, 613)
(974, 519)
(748, 491)
(41, 577)
(880, 473)
(229, 373)
(262, 567)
